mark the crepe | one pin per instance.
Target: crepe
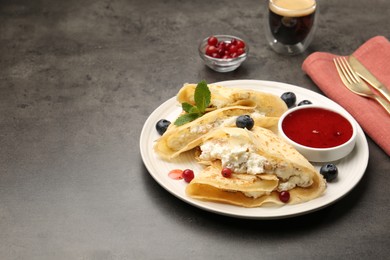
(257, 154)
(267, 103)
(211, 185)
(226, 104)
(178, 139)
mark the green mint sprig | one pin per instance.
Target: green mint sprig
(202, 98)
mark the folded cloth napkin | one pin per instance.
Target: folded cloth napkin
(375, 56)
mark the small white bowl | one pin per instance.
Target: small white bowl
(314, 152)
(219, 64)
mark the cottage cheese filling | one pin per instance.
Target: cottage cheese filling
(241, 157)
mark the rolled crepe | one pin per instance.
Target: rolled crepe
(211, 185)
(256, 154)
(178, 139)
(266, 103)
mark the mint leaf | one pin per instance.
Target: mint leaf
(195, 110)
(181, 120)
(187, 107)
(202, 96)
(190, 108)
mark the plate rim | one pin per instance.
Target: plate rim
(214, 207)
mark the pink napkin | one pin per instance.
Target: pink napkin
(375, 56)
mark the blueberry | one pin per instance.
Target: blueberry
(329, 171)
(305, 102)
(245, 121)
(289, 98)
(162, 126)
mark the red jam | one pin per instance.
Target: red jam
(176, 174)
(317, 128)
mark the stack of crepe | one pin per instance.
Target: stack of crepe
(263, 165)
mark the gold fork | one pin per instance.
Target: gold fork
(352, 81)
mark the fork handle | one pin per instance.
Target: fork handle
(384, 103)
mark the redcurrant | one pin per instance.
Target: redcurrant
(284, 196)
(226, 172)
(212, 41)
(210, 49)
(188, 175)
(240, 44)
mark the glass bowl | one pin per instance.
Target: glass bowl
(222, 64)
(320, 134)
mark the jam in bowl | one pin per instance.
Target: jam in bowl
(318, 133)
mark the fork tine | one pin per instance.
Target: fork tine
(336, 63)
(350, 71)
(342, 72)
(346, 71)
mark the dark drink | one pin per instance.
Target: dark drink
(291, 23)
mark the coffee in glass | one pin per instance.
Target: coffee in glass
(290, 25)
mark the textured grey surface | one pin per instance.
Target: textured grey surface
(77, 81)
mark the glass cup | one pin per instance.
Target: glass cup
(290, 25)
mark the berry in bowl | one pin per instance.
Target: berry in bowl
(320, 134)
(223, 53)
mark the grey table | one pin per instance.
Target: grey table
(78, 79)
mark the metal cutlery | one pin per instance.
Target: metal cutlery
(352, 81)
(365, 74)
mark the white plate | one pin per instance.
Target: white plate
(351, 168)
